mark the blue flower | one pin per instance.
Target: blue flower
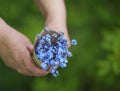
(63, 65)
(46, 46)
(43, 37)
(74, 42)
(44, 66)
(66, 61)
(52, 70)
(69, 54)
(52, 62)
(50, 54)
(38, 35)
(42, 41)
(61, 33)
(56, 73)
(61, 38)
(46, 29)
(54, 35)
(48, 36)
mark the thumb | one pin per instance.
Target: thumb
(30, 48)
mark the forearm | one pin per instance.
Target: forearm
(2, 24)
(54, 12)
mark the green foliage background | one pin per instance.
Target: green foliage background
(95, 65)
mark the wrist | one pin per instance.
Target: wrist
(56, 18)
(56, 26)
(56, 23)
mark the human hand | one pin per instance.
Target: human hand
(55, 15)
(16, 51)
(59, 28)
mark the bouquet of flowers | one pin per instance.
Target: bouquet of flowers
(51, 51)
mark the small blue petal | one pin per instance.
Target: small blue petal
(42, 41)
(57, 72)
(52, 62)
(44, 66)
(66, 61)
(61, 33)
(54, 35)
(43, 37)
(61, 38)
(55, 67)
(69, 54)
(74, 42)
(48, 36)
(54, 74)
(63, 65)
(38, 35)
(52, 70)
(46, 29)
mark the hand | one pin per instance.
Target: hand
(58, 28)
(55, 15)
(16, 51)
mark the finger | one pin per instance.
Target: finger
(31, 67)
(23, 71)
(69, 44)
(30, 48)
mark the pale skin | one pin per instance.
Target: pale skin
(16, 49)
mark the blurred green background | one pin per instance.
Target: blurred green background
(95, 65)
